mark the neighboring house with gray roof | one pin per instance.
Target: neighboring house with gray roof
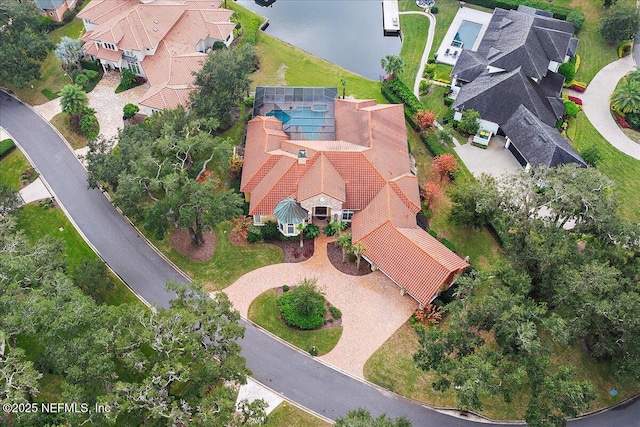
(515, 67)
(535, 143)
(55, 9)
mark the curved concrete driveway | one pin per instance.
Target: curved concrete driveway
(596, 105)
(295, 375)
(371, 305)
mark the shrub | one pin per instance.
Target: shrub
(303, 307)
(433, 145)
(91, 74)
(578, 87)
(270, 232)
(448, 101)
(429, 71)
(126, 78)
(130, 110)
(577, 19)
(6, 147)
(89, 126)
(448, 244)
(82, 80)
(575, 99)
(624, 48)
(248, 102)
(571, 108)
(591, 155)
(633, 119)
(335, 312)
(576, 61)
(621, 121)
(434, 10)
(255, 234)
(470, 122)
(334, 227)
(50, 95)
(47, 24)
(68, 15)
(311, 231)
(285, 288)
(558, 11)
(313, 351)
(568, 70)
(89, 65)
(425, 86)
(424, 119)
(433, 233)
(218, 45)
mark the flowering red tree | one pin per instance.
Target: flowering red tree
(424, 119)
(430, 192)
(445, 165)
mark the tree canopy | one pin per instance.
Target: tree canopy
(69, 52)
(163, 367)
(363, 418)
(620, 22)
(223, 82)
(158, 174)
(23, 46)
(392, 65)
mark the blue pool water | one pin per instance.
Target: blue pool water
(309, 121)
(467, 34)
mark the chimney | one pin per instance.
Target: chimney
(302, 157)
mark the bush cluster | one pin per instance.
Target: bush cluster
(255, 234)
(303, 307)
(335, 312)
(6, 147)
(270, 232)
(558, 11)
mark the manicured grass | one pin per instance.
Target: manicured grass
(287, 415)
(282, 64)
(414, 38)
(53, 77)
(443, 72)
(594, 52)
(408, 5)
(619, 167)
(227, 263)
(264, 311)
(11, 167)
(61, 122)
(434, 101)
(37, 223)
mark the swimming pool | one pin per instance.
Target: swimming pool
(301, 120)
(467, 34)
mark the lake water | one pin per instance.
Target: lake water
(348, 33)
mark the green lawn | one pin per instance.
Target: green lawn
(619, 167)
(283, 64)
(61, 122)
(12, 167)
(408, 5)
(414, 39)
(264, 311)
(37, 223)
(227, 264)
(53, 77)
(594, 52)
(288, 415)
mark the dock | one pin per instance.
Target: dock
(390, 17)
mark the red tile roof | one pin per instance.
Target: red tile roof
(368, 168)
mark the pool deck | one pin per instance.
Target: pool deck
(464, 14)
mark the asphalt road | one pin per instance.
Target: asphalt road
(292, 373)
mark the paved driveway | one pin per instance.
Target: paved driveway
(495, 160)
(104, 99)
(371, 305)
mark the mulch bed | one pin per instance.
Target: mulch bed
(181, 241)
(292, 250)
(329, 321)
(334, 252)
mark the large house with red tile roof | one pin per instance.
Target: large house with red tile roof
(164, 41)
(311, 155)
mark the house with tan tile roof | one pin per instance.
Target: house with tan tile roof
(164, 41)
(347, 160)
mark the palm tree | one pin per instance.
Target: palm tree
(626, 97)
(392, 65)
(69, 51)
(358, 249)
(343, 82)
(73, 100)
(345, 243)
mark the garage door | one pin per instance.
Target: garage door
(517, 155)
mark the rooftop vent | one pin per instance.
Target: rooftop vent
(155, 21)
(527, 119)
(155, 29)
(302, 157)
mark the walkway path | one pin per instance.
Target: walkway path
(427, 48)
(104, 99)
(371, 305)
(596, 105)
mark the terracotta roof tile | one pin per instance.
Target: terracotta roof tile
(406, 187)
(108, 54)
(321, 178)
(166, 97)
(407, 257)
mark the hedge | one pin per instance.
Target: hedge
(90, 65)
(558, 11)
(433, 145)
(6, 147)
(448, 244)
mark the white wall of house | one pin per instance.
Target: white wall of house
(489, 126)
(553, 66)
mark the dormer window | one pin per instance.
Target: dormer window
(109, 46)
